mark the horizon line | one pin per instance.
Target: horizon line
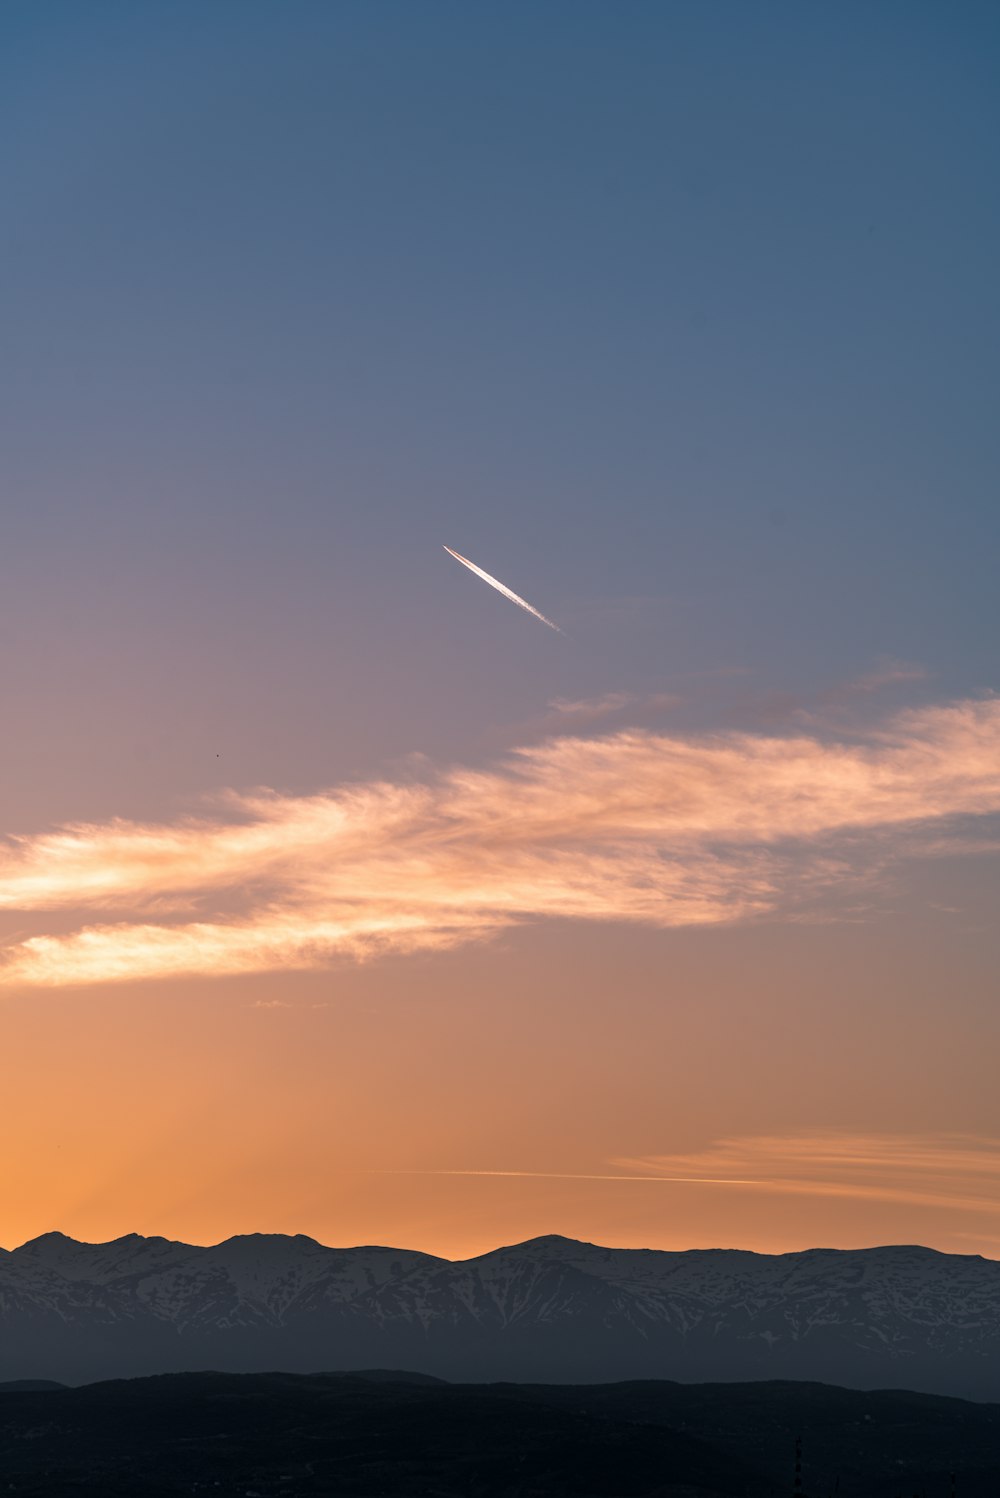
(500, 1248)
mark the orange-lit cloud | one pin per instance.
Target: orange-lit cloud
(954, 1172)
(957, 1171)
(960, 1171)
(636, 826)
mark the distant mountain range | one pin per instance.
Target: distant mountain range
(547, 1310)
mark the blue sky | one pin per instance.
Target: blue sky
(692, 303)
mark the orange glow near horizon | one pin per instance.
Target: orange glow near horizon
(453, 1102)
(628, 989)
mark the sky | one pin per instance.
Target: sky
(337, 894)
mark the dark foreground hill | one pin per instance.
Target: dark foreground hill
(291, 1436)
(29, 1386)
(547, 1310)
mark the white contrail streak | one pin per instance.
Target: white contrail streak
(563, 1175)
(507, 592)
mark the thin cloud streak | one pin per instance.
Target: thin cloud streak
(630, 705)
(951, 1171)
(831, 704)
(636, 826)
(590, 708)
(575, 1175)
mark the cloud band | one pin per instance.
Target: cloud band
(636, 826)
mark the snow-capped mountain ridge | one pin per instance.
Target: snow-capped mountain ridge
(549, 1308)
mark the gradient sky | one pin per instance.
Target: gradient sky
(338, 895)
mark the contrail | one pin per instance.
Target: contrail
(563, 1175)
(507, 592)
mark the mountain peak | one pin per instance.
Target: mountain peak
(270, 1243)
(58, 1243)
(45, 1242)
(547, 1245)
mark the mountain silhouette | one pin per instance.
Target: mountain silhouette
(550, 1309)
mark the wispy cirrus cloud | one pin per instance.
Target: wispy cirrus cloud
(591, 707)
(887, 672)
(948, 1170)
(666, 830)
(953, 1171)
(631, 705)
(832, 704)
